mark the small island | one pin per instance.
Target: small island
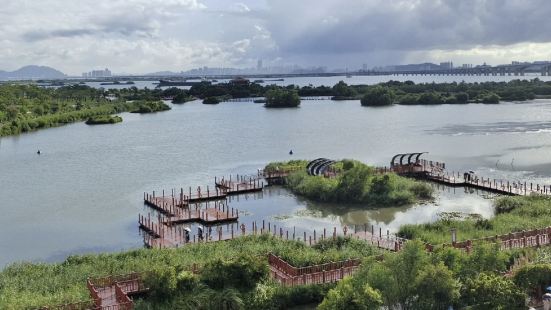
(282, 98)
(211, 100)
(350, 181)
(182, 97)
(149, 107)
(378, 96)
(103, 119)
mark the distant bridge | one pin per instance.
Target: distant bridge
(501, 70)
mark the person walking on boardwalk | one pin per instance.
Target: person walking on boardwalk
(200, 233)
(547, 299)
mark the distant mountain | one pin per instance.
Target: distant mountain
(32, 73)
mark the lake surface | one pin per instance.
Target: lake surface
(84, 193)
(353, 80)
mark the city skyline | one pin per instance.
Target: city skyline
(138, 37)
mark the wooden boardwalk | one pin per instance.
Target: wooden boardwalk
(514, 240)
(288, 275)
(112, 292)
(436, 172)
(239, 185)
(108, 293)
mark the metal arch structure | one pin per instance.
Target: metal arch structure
(409, 156)
(323, 166)
(319, 166)
(314, 162)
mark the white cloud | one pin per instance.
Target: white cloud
(240, 7)
(138, 36)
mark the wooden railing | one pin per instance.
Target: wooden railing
(289, 275)
(113, 279)
(81, 305)
(122, 285)
(93, 293)
(521, 239)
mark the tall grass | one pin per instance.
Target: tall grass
(358, 183)
(512, 214)
(35, 284)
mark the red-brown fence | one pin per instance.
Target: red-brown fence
(515, 240)
(289, 275)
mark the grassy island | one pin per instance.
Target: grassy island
(282, 98)
(27, 107)
(236, 268)
(234, 274)
(211, 100)
(149, 107)
(182, 98)
(354, 182)
(103, 119)
(512, 214)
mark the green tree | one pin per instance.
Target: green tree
(408, 99)
(491, 291)
(490, 98)
(430, 98)
(279, 98)
(341, 89)
(533, 278)
(378, 96)
(345, 296)
(462, 97)
(436, 287)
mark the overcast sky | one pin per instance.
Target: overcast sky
(140, 36)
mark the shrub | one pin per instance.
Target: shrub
(282, 98)
(242, 273)
(378, 96)
(408, 99)
(490, 291)
(491, 98)
(211, 100)
(430, 99)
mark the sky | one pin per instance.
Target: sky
(143, 36)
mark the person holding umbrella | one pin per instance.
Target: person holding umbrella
(547, 299)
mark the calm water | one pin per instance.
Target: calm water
(84, 193)
(355, 80)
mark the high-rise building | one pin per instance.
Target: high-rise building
(259, 65)
(448, 65)
(97, 74)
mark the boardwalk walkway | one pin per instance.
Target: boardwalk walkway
(239, 185)
(514, 240)
(108, 293)
(288, 275)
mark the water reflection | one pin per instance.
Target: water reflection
(280, 207)
(86, 189)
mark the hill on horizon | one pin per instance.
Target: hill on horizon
(32, 72)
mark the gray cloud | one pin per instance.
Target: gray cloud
(367, 26)
(37, 35)
(153, 35)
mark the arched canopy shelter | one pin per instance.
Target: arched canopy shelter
(405, 159)
(319, 166)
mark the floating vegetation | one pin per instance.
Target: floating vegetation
(309, 213)
(282, 217)
(455, 215)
